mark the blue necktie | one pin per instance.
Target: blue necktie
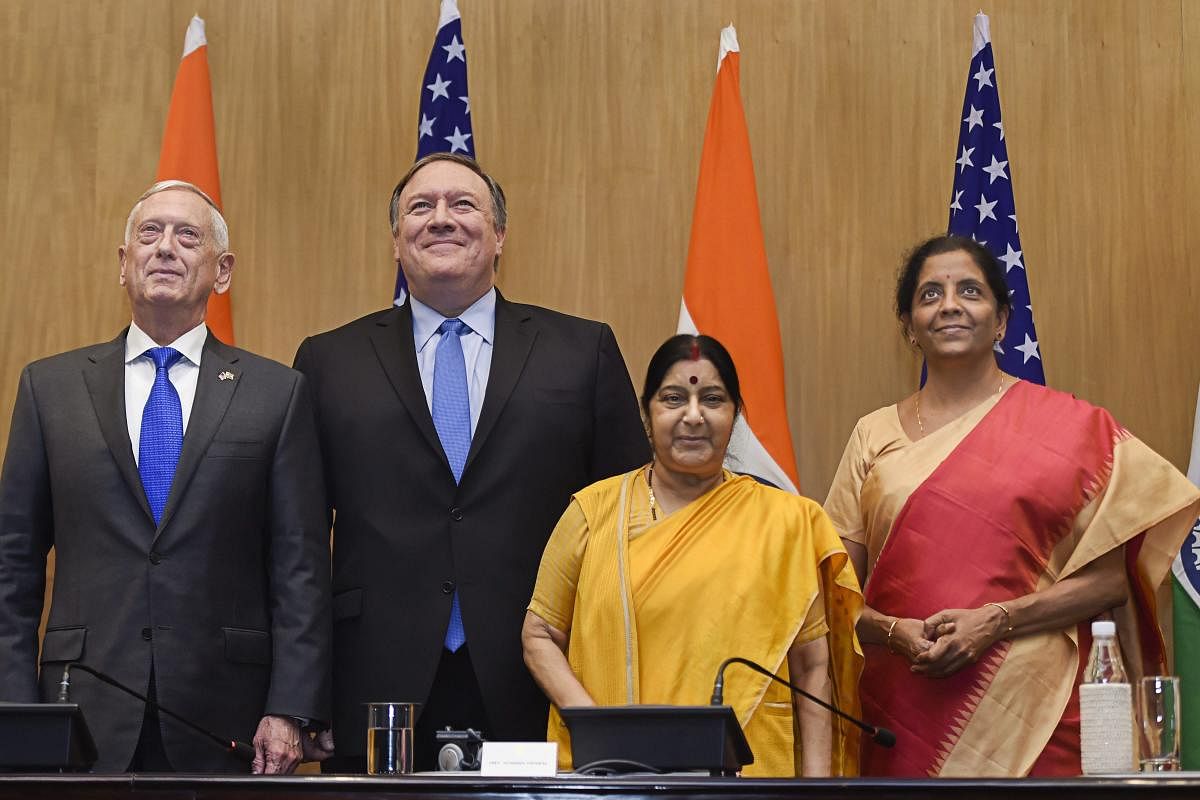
(162, 432)
(452, 419)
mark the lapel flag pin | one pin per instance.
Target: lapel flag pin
(225, 376)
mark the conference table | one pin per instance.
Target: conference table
(468, 786)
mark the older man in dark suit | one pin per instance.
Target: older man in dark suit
(179, 482)
(454, 430)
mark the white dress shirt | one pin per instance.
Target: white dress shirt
(480, 317)
(139, 376)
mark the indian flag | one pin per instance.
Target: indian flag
(727, 288)
(189, 146)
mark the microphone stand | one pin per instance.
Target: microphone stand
(232, 746)
(881, 736)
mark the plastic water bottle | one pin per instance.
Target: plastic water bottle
(1106, 706)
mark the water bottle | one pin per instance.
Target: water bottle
(1105, 706)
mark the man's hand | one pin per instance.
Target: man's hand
(276, 746)
(317, 745)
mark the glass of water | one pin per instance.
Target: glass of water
(1158, 708)
(390, 738)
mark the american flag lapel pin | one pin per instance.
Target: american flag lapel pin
(225, 376)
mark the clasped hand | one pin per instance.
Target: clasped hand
(949, 640)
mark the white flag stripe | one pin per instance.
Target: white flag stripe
(745, 452)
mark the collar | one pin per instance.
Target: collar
(480, 316)
(190, 344)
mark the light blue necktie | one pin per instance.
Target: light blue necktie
(452, 419)
(162, 432)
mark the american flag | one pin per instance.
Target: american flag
(445, 116)
(982, 206)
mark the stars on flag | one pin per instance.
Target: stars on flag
(445, 113)
(458, 140)
(983, 181)
(983, 76)
(985, 209)
(1012, 258)
(996, 170)
(964, 160)
(954, 204)
(455, 49)
(426, 127)
(1029, 349)
(438, 88)
(974, 118)
(445, 119)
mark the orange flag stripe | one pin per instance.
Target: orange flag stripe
(727, 288)
(189, 153)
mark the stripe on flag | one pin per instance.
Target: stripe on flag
(1186, 620)
(189, 147)
(444, 121)
(727, 287)
(982, 204)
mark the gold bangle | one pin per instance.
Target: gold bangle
(891, 628)
(1007, 616)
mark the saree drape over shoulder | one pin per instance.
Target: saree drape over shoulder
(653, 607)
(1019, 493)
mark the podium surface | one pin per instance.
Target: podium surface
(465, 786)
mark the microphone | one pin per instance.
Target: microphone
(879, 735)
(232, 746)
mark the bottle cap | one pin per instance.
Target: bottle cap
(1104, 627)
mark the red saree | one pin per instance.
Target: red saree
(1024, 499)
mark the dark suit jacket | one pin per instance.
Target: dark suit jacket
(558, 413)
(228, 597)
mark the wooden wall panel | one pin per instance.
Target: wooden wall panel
(592, 115)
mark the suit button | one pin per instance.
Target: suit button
(147, 634)
(456, 514)
(155, 558)
(447, 587)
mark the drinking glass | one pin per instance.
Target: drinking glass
(1158, 709)
(390, 738)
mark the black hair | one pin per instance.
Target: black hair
(685, 347)
(993, 273)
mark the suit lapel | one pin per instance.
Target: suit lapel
(208, 409)
(105, 379)
(515, 334)
(393, 343)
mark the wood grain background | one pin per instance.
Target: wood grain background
(591, 114)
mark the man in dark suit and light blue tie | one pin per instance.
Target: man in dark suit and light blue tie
(454, 430)
(179, 482)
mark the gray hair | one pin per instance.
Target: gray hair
(499, 204)
(219, 229)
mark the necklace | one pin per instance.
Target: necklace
(650, 488)
(920, 425)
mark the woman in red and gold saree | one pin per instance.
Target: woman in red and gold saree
(991, 520)
(652, 578)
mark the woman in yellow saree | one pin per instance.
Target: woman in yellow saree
(991, 520)
(654, 577)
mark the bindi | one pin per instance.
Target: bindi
(693, 380)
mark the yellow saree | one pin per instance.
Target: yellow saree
(652, 608)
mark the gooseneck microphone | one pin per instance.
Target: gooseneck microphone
(881, 736)
(232, 746)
